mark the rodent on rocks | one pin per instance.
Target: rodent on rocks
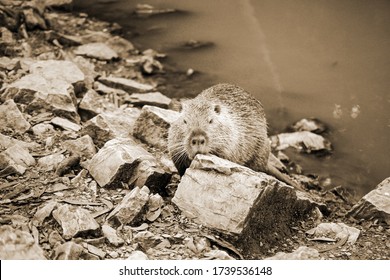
(226, 121)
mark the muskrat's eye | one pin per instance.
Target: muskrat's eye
(211, 121)
(185, 121)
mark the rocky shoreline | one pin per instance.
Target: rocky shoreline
(85, 174)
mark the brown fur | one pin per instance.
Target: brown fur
(226, 121)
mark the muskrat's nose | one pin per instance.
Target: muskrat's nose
(198, 140)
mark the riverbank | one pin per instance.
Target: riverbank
(72, 90)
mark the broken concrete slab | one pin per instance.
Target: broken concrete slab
(132, 207)
(248, 206)
(110, 125)
(375, 205)
(156, 99)
(12, 118)
(75, 221)
(152, 126)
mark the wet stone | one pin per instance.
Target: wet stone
(74, 221)
(303, 141)
(11, 117)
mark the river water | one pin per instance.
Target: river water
(325, 58)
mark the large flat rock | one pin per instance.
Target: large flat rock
(246, 205)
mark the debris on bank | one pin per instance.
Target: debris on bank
(84, 169)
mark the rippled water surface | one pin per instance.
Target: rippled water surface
(326, 58)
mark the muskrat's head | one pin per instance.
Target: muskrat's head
(200, 129)
(200, 121)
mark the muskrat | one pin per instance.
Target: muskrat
(226, 121)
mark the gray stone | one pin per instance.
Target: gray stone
(43, 129)
(74, 221)
(15, 159)
(11, 117)
(33, 19)
(83, 146)
(72, 251)
(93, 104)
(132, 206)
(249, 206)
(110, 125)
(65, 124)
(58, 69)
(312, 125)
(41, 94)
(6, 142)
(138, 256)
(88, 68)
(301, 140)
(7, 63)
(302, 253)
(122, 46)
(127, 85)
(151, 98)
(50, 162)
(111, 236)
(123, 161)
(375, 205)
(43, 213)
(17, 244)
(96, 50)
(152, 126)
(64, 4)
(105, 90)
(335, 231)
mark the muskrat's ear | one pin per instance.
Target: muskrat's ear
(217, 109)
